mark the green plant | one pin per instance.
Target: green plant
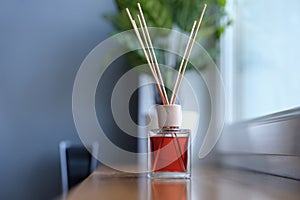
(174, 14)
(180, 13)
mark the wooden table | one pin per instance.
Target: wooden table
(207, 182)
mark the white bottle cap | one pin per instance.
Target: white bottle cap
(169, 116)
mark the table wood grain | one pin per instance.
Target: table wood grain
(207, 182)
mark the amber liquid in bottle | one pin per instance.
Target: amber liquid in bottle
(169, 153)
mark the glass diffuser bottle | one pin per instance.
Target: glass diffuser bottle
(169, 147)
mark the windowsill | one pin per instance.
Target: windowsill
(268, 144)
(278, 116)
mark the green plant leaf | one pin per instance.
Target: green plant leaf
(222, 3)
(170, 14)
(156, 14)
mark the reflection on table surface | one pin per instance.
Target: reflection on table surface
(168, 189)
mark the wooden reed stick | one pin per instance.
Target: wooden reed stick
(146, 56)
(153, 53)
(147, 45)
(178, 152)
(182, 61)
(190, 50)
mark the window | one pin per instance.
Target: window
(261, 52)
(259, 59)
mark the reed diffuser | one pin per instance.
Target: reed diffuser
(169, 146)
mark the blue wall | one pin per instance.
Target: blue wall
(42, 44)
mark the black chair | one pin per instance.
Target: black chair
(76, 163)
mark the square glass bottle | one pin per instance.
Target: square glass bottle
(169, 148)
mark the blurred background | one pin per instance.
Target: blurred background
(42, 44)
(260, 58)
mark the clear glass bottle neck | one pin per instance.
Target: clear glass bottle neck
(170, 128)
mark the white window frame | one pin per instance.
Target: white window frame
(267, 144)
